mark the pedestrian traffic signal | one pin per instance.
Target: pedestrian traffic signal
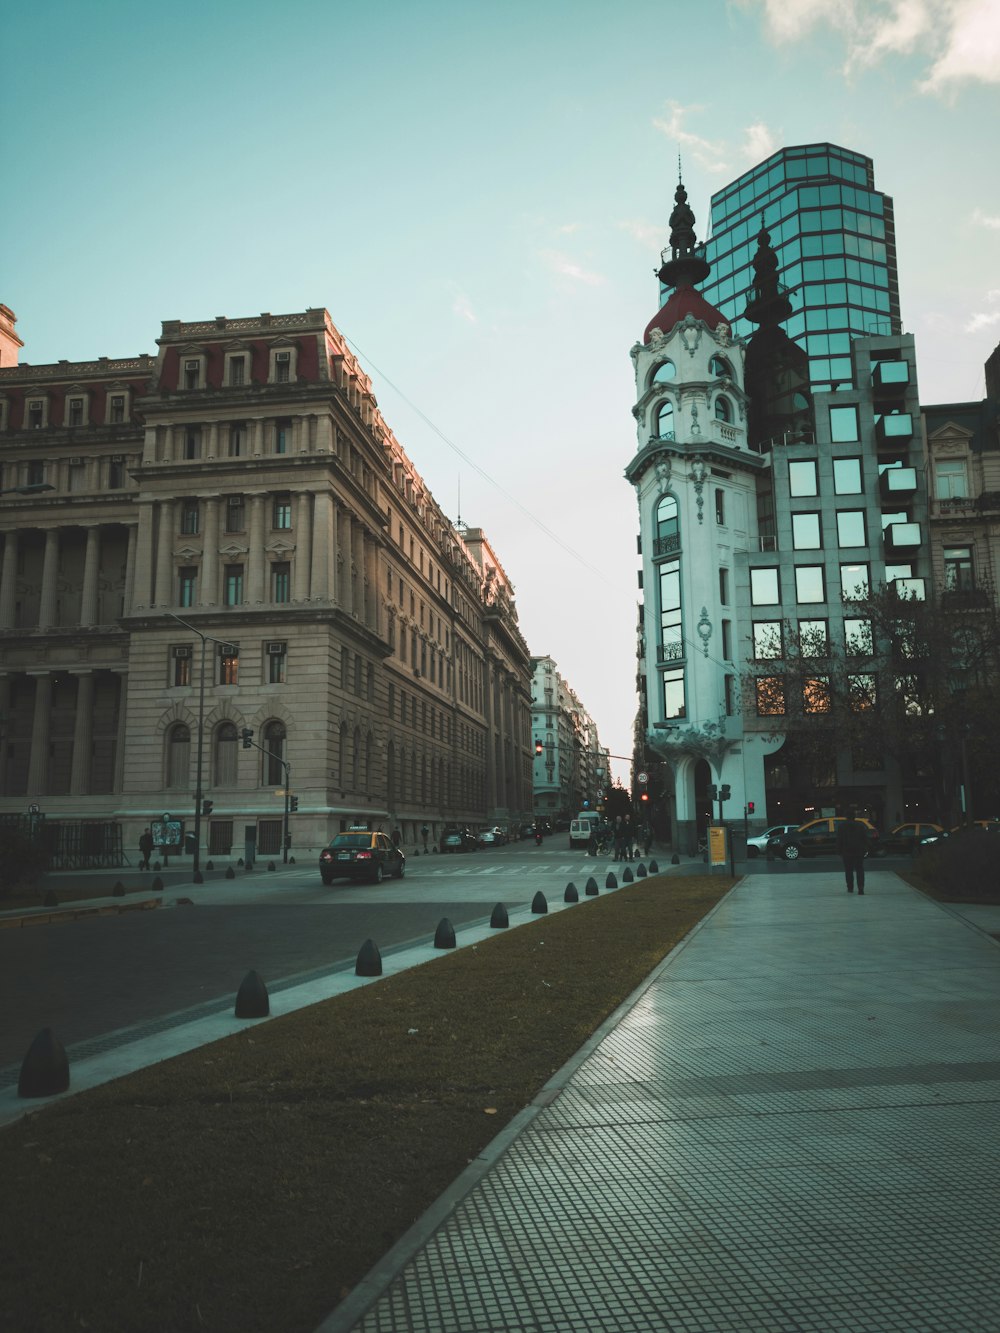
(206, 807)
(293, 804)
(724, 793)
(247, 735)
(749, 807)
(713, 792)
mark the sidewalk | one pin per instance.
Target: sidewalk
(794, 1124)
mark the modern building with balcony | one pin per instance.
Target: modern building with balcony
(225, 538)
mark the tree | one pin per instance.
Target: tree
(913, 681)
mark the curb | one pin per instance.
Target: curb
(45, 918)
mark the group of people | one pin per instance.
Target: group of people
(624, 839)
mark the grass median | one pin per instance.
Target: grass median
(250, 1184)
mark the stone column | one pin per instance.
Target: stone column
(345, 588)
(212, 443)
(357, 570)
(171, 437)
(79, 782)
(8, 580)
(38, 763)
(255, 555)
(303, 543)
(118, 781)
(208, 593)
(164, 572)
(142, 581)
(322, 547)
(50, 573)
(130, 559)
(91, 565)
(256, 429)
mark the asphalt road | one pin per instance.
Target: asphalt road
(94, 976)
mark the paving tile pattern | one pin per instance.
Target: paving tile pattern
(795, 1127)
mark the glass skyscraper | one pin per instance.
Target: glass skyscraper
(834, 235)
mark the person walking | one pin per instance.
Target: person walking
(145, 849)
(647, 837)
(424, 832)
(852, 844)
(619, 839)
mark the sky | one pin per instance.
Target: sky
(479, 195)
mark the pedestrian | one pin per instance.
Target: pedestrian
(619, 838)
(145, 849)
(628, 838)
(852, 844)
(424, 831)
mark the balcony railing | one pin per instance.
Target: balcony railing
(670, 652)
(966, 599)
(668, 545)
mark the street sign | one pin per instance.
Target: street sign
(642, 777)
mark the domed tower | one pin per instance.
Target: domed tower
(695, 480)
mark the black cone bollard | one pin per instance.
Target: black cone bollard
(197, 878)
(230, 873)
(369, 962)
(45, 1070)
(538, 904)
(50, 899)
(591, 888)
(119, 890)
(270, 865)
(251, 998)
(628, 876)
(444, 936)
(654, 869)
(571, 895)
(640, 871)
(499, 920)
(157, 885)
(675, 860)
(610, 882)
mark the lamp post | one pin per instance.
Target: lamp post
(198, 796)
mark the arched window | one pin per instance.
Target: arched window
(665, 420)
(723, 411)
(720, 368)
(178, 755)
(664, 373)
(224, 765)
(274, 752)
(666, 519)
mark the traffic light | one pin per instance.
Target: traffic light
(724, 793)
(293, 804)
(539, 747)
(713, 792)
(644, 796)
(749, 807)
(247, 734)
(206, 807)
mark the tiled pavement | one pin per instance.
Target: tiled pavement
(794, 1125)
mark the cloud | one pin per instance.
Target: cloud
(462, 307)
(707, 153)
(568, 268)
(758, 143)
(960, 38)
(982, 219)
(647, 233)
(568, 228)
(985, 319)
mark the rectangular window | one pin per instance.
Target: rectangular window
(847, 476)
(191, 374)
(671, 639)
(858, 640)
(282, 435)
(233, 585)
(76, 412)
(764, 589)
(723, 587)
(950, 481)
(117, 410)
(844, 425)
(229, 663)
(851, 527)
(861, 692)
(281, 579)
(192, 442)
(729, 695)
(809, 583)
(720, 506)
(235, 514)
(36, 472)
(767, 639)
(727, 641)
(181, 658)
(237, 439)
(802, 478)
(36, 415)
(189, 517)
(237, 370)
(806, 532)
(277, 663)
(854, 581)
(282, 366)
(814, 638)
(816, 694)
(187, 586)
(673, 695)
(770, 696)
(281, 514)
(220, 837)
(958, 568)
(116, 474)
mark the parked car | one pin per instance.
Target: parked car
(526, 831)
(492, 836)
(816, 837)
(908, 837)
(361, 854)
(458, 838)
(582, 827)
(757, 843)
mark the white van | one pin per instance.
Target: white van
(581, 828)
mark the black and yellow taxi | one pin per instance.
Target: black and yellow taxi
(360, 853)
(816, 837)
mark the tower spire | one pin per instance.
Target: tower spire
(687, 264)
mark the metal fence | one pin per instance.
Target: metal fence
(71, 844)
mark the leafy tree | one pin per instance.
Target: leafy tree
(913, 681)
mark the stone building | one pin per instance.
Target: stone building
(226, 539)
(571, 767)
